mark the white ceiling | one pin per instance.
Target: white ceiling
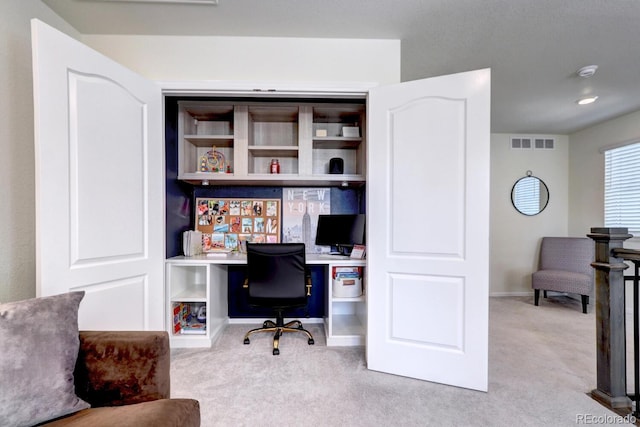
(534, 47)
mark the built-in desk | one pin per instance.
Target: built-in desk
(203, 280)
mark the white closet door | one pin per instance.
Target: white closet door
(99, 183)
(428, 229)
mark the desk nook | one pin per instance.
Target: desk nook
(223, 151)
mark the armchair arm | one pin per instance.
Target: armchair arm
(122, 367)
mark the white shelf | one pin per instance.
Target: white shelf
(210, 140)
(191, 293)
(274, 150)
(347, 325)
(282, 179)
(349, 299)
(189, 341)
(337, 142)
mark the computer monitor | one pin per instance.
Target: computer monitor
(341, 231)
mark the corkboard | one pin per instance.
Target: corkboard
(226, 223)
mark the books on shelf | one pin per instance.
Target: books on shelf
(347, 272)
(192, 243)
(189, 318)
(194, 328)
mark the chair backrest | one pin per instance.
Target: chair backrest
(276, 270)
(573, 254)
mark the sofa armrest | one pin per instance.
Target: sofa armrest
(122, 367)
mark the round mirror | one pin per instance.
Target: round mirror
(530, 195)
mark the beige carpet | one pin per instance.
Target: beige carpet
(541, 368)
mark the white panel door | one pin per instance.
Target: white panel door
(99, 172)
(428, 229)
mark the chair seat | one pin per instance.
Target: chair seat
(562, 281)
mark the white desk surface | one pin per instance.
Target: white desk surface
(239, 258)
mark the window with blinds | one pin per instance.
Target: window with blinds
(622, 188)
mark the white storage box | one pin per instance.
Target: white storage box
(347, 287)
(351, 131)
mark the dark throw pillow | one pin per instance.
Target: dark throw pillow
(39, 339)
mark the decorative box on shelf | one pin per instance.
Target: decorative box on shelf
(351, 131)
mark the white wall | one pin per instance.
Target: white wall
(254, 58)
(586, 165)
(17, 219)
(586, 178)
(515, 238)
(574, 173)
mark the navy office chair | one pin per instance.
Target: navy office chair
(278, 278)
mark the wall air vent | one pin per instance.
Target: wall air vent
(544, 143)
(532, 142)
(521, 143)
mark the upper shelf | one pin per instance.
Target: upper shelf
(245, 135)
(324, 180)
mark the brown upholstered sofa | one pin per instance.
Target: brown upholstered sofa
(125, 377)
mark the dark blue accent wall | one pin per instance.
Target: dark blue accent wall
(180, 200)
(238, 306)
(179, 195)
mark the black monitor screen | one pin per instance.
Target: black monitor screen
(340, 230)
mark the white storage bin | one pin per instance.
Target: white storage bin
(347, 287)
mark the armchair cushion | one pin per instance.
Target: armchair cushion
(40, 344)
(564, 281)
(565, 265)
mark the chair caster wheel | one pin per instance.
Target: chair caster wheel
(276, 352)
(246, 340)
(311, 341)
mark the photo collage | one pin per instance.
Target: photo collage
(227, 223)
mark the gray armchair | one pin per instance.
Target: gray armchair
(565, 266)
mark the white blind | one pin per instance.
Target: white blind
(527, 196)
(622, 188)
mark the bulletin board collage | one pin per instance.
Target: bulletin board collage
(227, 223)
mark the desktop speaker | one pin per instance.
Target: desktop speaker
(336, 165)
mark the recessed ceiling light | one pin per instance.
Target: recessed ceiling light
(587, 71)
(587, 100)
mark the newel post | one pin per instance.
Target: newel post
(610, 318)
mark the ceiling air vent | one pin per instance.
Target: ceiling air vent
(521, 143)
(544, 143)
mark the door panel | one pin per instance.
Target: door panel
(99, 194)
(428, 229)
(128, 294)
(417, 298)
(99, 177)
(436, 145)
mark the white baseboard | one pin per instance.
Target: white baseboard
(527, 294)
(511, 294)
